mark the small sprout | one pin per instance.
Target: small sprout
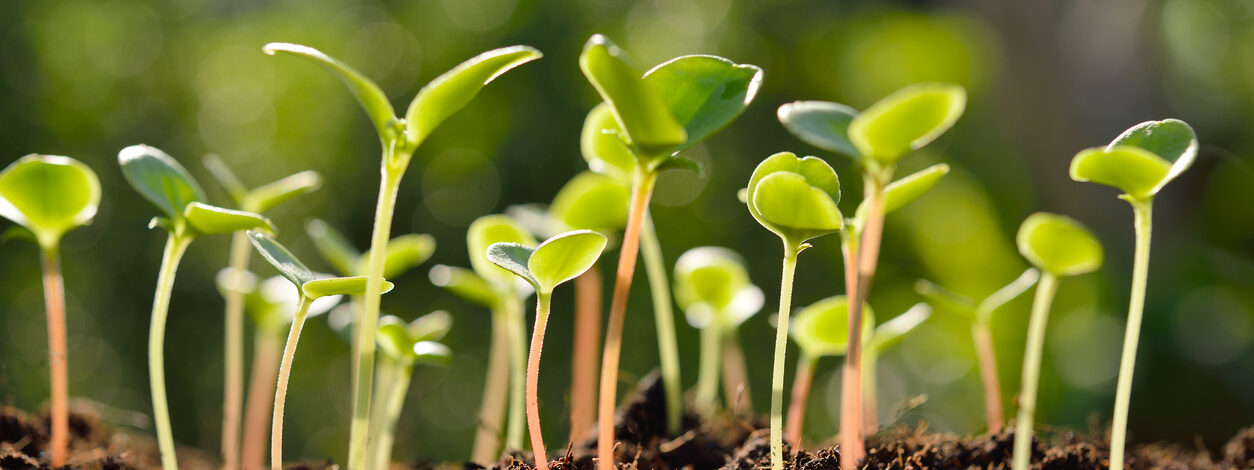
(557, 260)
(1141, 161)
(591, 201)
(821, 329)
(1058, 246)
(406, 345)
(882, 338)
(50, 195)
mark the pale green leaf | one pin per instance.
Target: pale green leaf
(334, 247)
(709, 275)
(892, 331)
(490, 229)
(822, 328)
(49, 195)
(464, 283)
(645, 118)
(603, 146)
(1135, 171)
(404, 253)
(1016, 287)
(431, 327)
(226, 179)
(453, 90)
(1171, 139)
(368, 94)
(944, 298)
(592, 201)
(565, 257)
(393, 338)
(268, 196)
(513, 257)
(355, 285)
(212, 220)
(1059, 245)
(431, 353)
(822, 124)
(906, 120)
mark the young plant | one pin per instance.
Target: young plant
(819, 330)
(500, 291)
(48, 196)
(881, 339)
(1140, 162)
(399, 137)
(310, 288)
(796, 199)
(257, 200)
(1058, 246)
(407, 345)
(876, 138)
(557, 260)
(713, 288)
(657, 115)
(981, 318)
(163, 182)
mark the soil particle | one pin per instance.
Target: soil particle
(1239, 452)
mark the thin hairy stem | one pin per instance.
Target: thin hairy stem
(1143, 213)
(54, 304)
(398, 386)
(735, 375)
(233, 383)
(800, 395)
(987, 358)
(664, 319)
(781, 348)
(280, 390)
(533, 381)
(707, 376)
(518, 372)
(266, 353)
(487, 446)
(1032, 369)
(583, 364)
(175, 246)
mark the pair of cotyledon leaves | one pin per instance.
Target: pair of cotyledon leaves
(417, 342)
(822, 328)
(555, 261)
(308, 283)
(711, 280)
(1141, 160)
(270, 302)
(265, 197)
(48, 195)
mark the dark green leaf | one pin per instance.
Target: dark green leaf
(821, 124)
(159, 179)
(284, 261)
(639, 109)
(704, 93)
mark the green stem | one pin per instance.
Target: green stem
(781, 347)
(487, 445)
(533, 381)
(707, 377)
(518, 372)
(233, 384)
(398, 386)
(175, 246)
(54, 304)
(280, 389)
(384, 373)
(1032, 369)
(366, 325)
(664, 317)
(1143, 213)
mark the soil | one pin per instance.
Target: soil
(724, 443)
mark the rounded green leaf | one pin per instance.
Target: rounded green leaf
(268, 196)
(283, 260)
(822, 328)
(604, 147)
(1059, 245)
(431, 353)
(393, 338)
(159, 179)
(795, 197)
(454, 89)
(1136, 171)
(485, 231)
(404, 253)
(431, 327)
(513, 257)
(1171, 139)
(212, 220)
(709, 275)
(891, 332)
(822, 124)
(906, 120)
(365, 90)
(334, 247)
(355, 285)
(1021, 284)
(464, 283)
(565, 257)
(49, 195)
(645, 118)
(705, 93)
(905, 190)
(592, 201)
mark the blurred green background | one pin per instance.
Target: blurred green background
(1046, 79)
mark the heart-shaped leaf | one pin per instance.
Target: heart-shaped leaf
(709, 275)
(795, 197)
(283, 260)
(431, 327)
(704, 93)
(453, 90)
(557, 260)
(268, 196)
(891, 332)
(820, 123)
(159, 179)
(906, 120)
(464, 283)
(49, 195)
(355, 285)
(603, 145)
(334, 247)
(485, 231)
(822, 328)
(1136, 171)
(592, 201)
(365, 90)
(404, 253)
(1059, 245)
(1171, 139)
(212, 220)
(646, 120)
(226, 179)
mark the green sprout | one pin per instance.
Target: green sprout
(1140, 162)
(876, 138)
(980, 315)
(407, 345)
(400, 138)
(882, 338)
(490, 286)
(163, 182)
(310, 288)
(714, 290)
(1058, 246)
(557, 260)
(48, 196)
(796, 199)
(656, 116)
(819, 330)
(257, 200)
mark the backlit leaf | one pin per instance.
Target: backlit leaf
(906, 120)
(603, 146)
(565, 257)
(404, 253)
(464, 283)
(268, 196)
(645, 118)
(1171, 139)
(513, 257)
(283, 260)
(892, 331)
(1059, 245)
(159, 179)
(821, 124)
(212, 220)
(334, 247)
(490, 229)
(592, 201)
(822, 328)
(368, 94)
(451, 91)
(355, 285)
(49, 195)
(704, 93)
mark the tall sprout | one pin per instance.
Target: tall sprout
(400, 138)
(49, 196)
(408, 345)
(1140, 162)
(819, 330)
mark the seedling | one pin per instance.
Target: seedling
(981, 318)
(257, 200)
(407, 345)
(310, 288)
(796, 199)
(819, 331)
(557, 260)
(876, 138)
(881, 339)
(500, 291)
(1140, 162)
(48, 196)
(657, 116)
(399, 137)
(163, 182)
(1058, 246)
(714, 290)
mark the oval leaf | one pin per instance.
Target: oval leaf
(704, 93)
(906, 120)
(404, 253)
(431, 353)
(820, 123)
(49, 195)
(453, 90)
(334, 247)
(788, 205)
(268, 196)
(815, 174)
(891, 332)
(490, 229)
(513, 257)
(1059, 245)
(1171, 139)
(904, 191)
(646, 120)
(394, 339)
(709, 275)
(212, 220)
(368, 94)
(431, 327)
(1136, 171)
(565, 257)
(282, 259)
(592, 201)
(159, 179)
(603, 145)
(822, 328)
(355, 285)
(464, 283)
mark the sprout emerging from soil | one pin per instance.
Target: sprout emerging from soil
(407, 345)
(163, 182)
(981, 318)
(1058, 246)
(557, 260)
(399, 137)
(1140, 162)
(48, 196)
(877, 138)
(819, 331)
(714, 289)
(796, 199)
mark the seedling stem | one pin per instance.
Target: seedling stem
(864, 254)
(583, 386)
(707, 377)
(533, 380)
(233, 395)
(518, 370)
(983, 336)
(1032, 369)
(800, 395)
(664, 315)
(1143, 214)
(280, 391)
(781, 347)
(54, 303)
(175, 246)
(266, 355)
